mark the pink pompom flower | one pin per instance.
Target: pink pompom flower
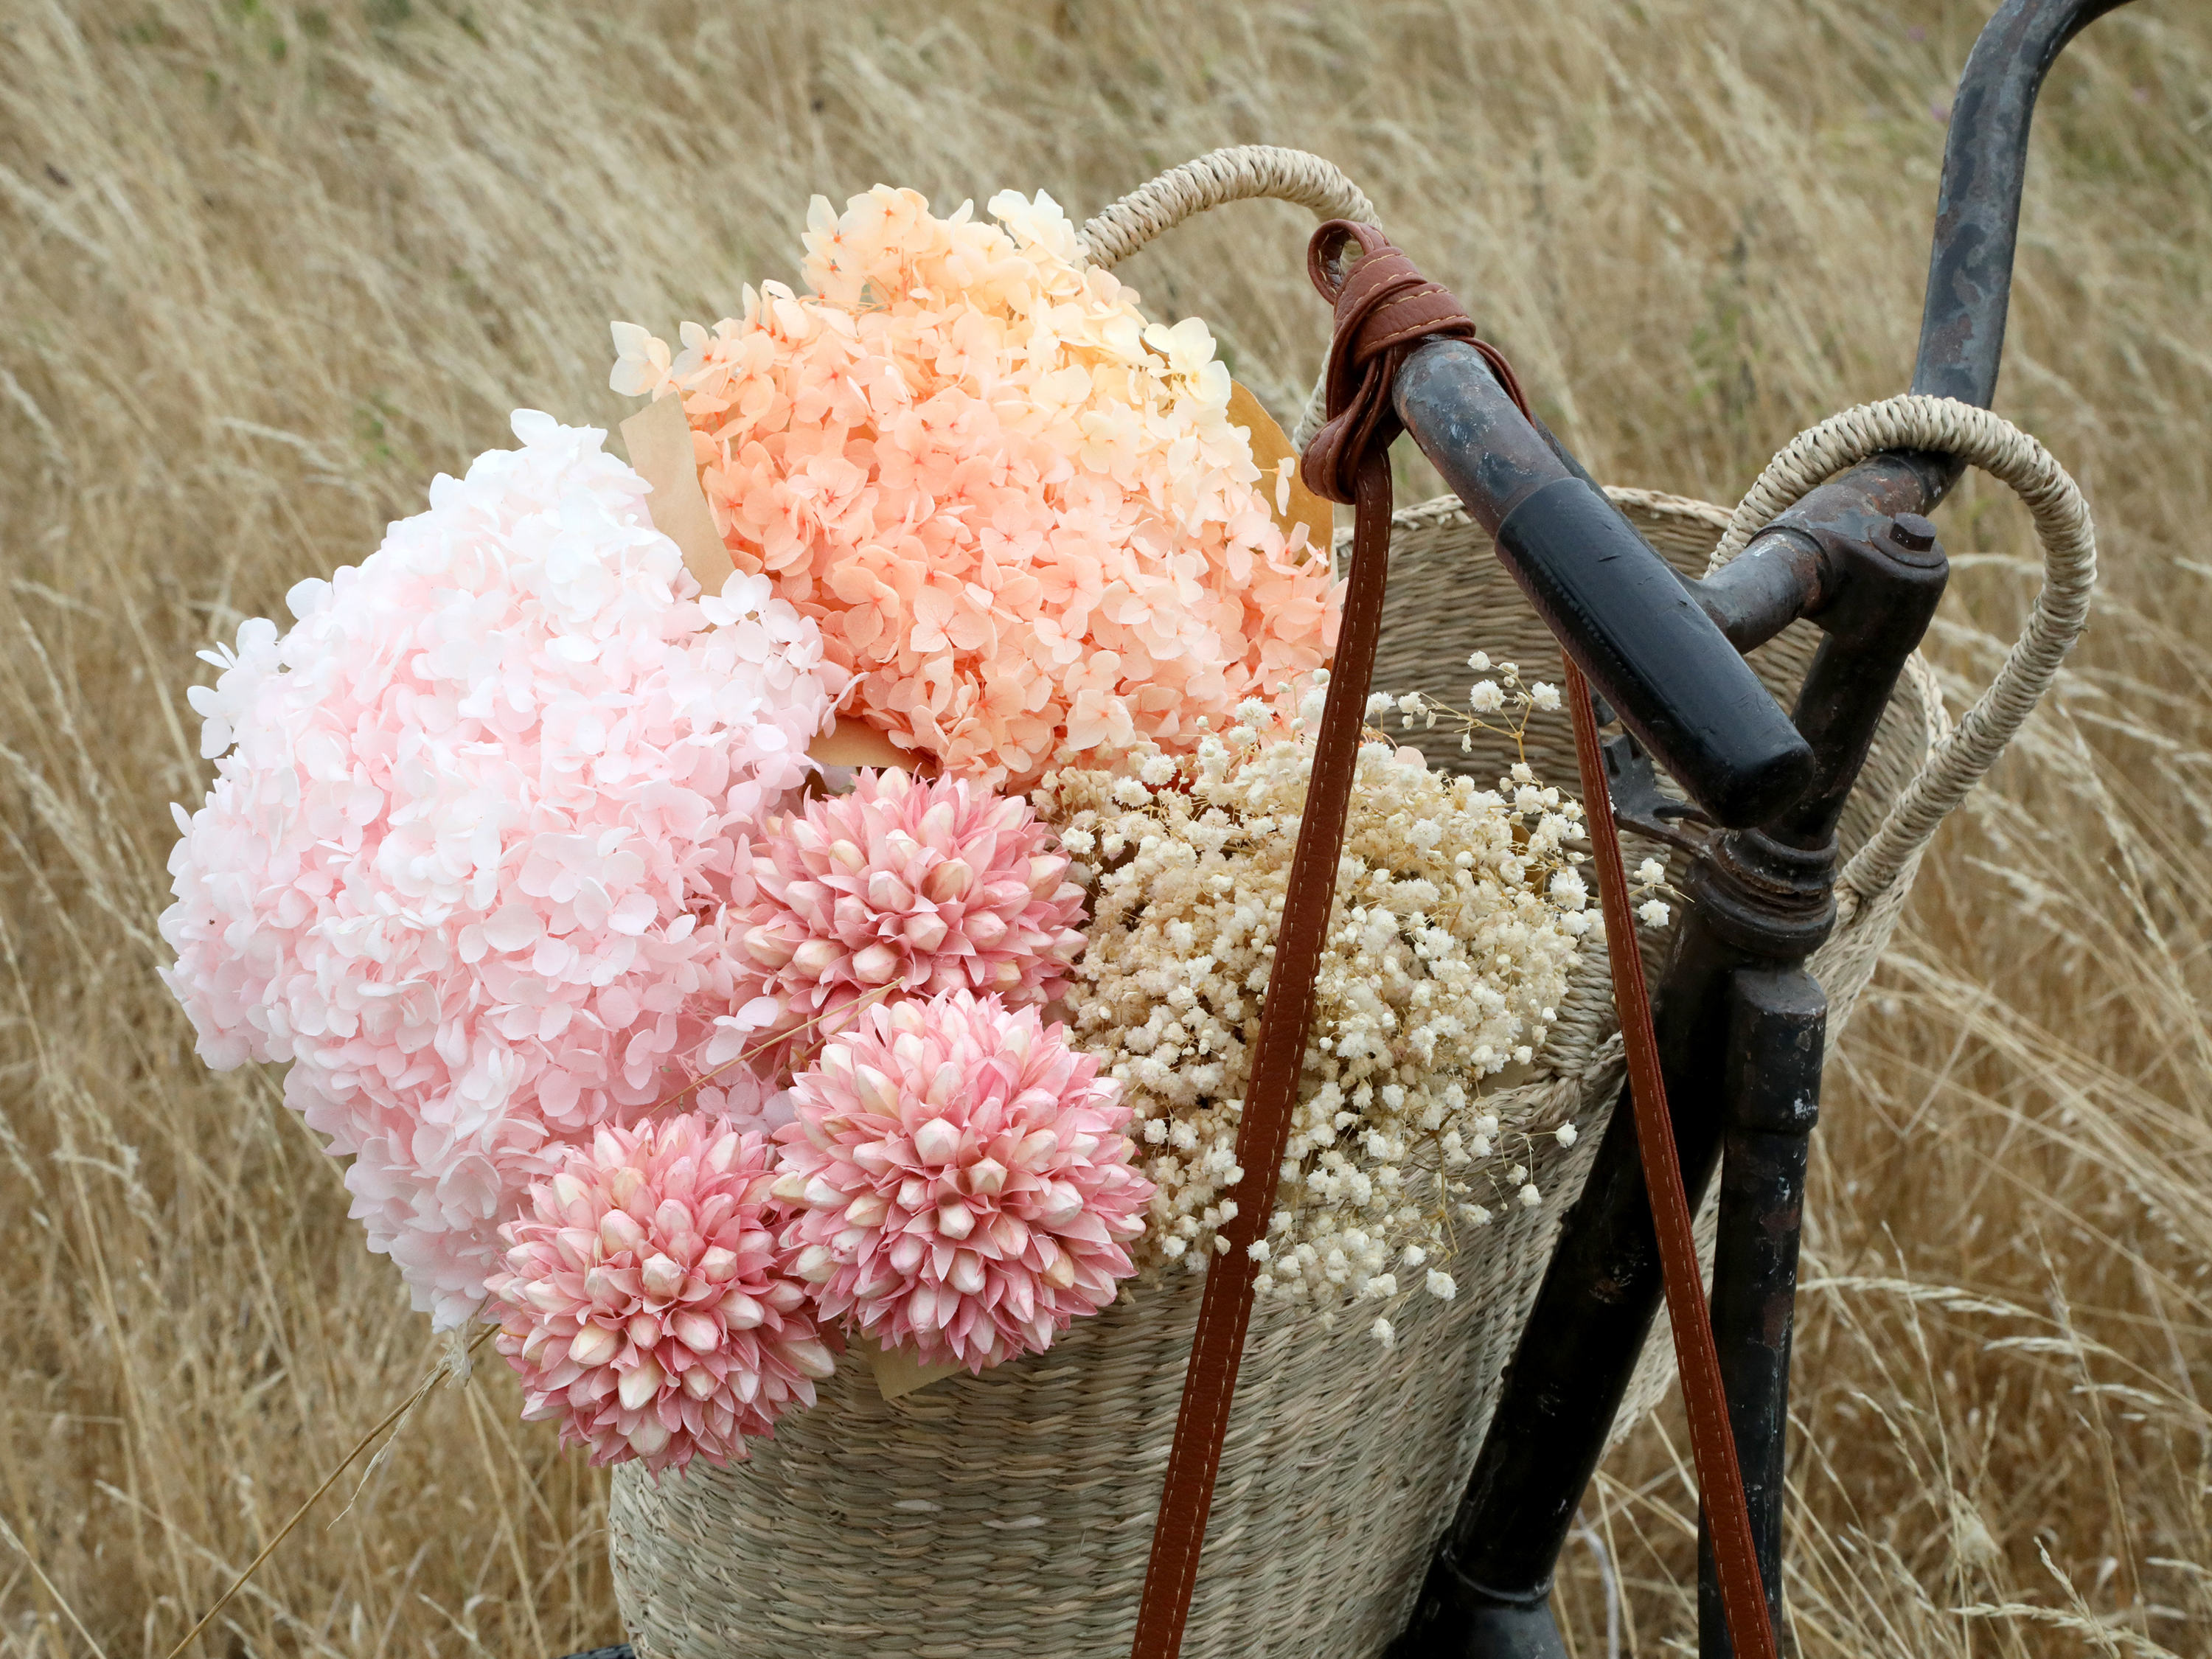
(646, 1303)
(962, 1184)
(900, 888)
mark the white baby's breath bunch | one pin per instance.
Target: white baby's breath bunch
(1458, 914)
(1502, 693)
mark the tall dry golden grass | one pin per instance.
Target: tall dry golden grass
(265, 268)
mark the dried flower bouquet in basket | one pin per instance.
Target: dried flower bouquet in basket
(687, 1057)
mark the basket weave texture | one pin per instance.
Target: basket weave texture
(1013, 1512)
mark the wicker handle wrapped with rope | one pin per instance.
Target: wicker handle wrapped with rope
(2061, 612)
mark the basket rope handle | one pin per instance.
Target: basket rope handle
(1239, 173)
(1956, 762)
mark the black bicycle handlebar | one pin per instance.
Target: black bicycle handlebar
(1663, 652)
(1854, 558)
(1962, 321)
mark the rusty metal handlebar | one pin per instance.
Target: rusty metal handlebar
(1657, 648)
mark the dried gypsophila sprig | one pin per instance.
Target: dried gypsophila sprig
(1457, 922)
(1512, 701)
(1507, 697)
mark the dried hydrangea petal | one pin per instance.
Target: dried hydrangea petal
(1021, 515)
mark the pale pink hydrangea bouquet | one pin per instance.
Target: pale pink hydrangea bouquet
(686, 1057)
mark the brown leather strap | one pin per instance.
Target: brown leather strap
(1379, 317)
(1384, 307)
(1712, 1441)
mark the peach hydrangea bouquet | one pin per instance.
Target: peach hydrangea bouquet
(687, 1057)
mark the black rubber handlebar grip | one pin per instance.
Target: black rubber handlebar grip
(1651, 653)
(1615, 605)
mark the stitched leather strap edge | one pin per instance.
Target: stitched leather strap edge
(1697, 1360)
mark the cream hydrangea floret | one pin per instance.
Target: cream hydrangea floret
(1459, 915)
(472, 828)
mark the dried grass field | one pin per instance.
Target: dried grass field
(265, 268)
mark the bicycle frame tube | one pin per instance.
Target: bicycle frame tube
(1855, 558)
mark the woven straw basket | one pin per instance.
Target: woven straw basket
(1012, 1513)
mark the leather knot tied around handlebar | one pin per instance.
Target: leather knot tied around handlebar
(1384, 308)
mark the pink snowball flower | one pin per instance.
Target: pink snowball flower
(464, 866)
(646, 1303)
(899, 888)
(963, 1184)
(1022, 516)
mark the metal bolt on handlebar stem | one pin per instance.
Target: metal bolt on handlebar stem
(1912, 532)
